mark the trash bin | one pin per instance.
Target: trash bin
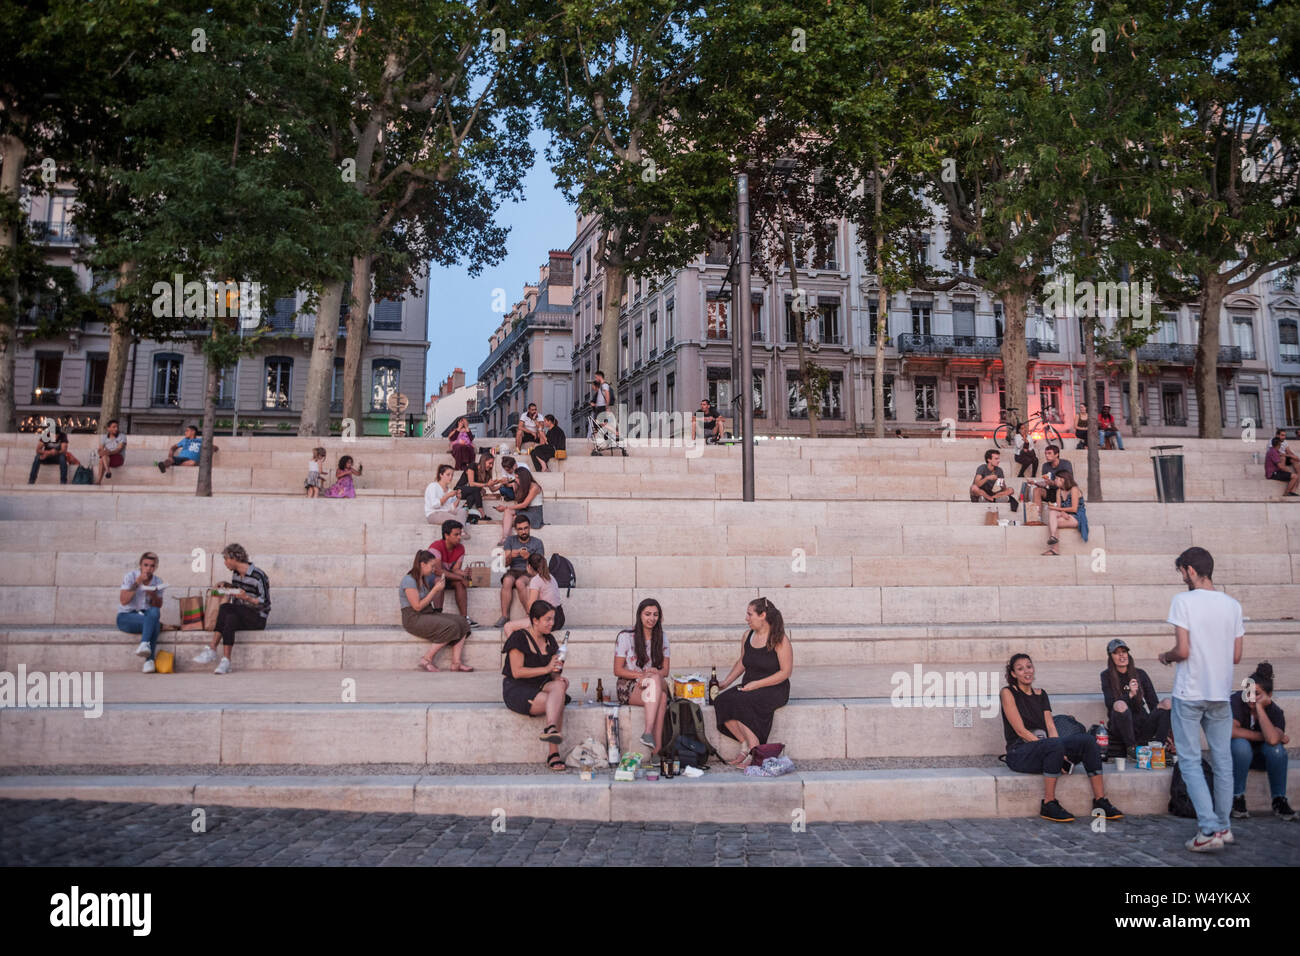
(1167, 461)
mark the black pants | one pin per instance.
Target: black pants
(60, 460)
(1027, 460)
(238, 617)
(1131, 728)
(471, 497)
(1047, 756)
(541, 453)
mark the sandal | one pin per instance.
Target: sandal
(428, 666)
(1052, 551)
(550, 735)
(1053, 540)
(556, 763)
(741, 760)
(462, 668)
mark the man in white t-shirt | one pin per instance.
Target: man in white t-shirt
(140, 602)
(530, 427)
(1208, 633)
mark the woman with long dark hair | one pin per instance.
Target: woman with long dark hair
(417, 591)
(1067, 511)
(1034, 746)
(531, 680)
(528, 502)
(475, 479)
(766, 661)
(1134, 713)
(641, 665)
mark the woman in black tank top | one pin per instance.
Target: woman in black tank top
(1033, 745)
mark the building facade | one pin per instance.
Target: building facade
(529, 358)
(63, 377)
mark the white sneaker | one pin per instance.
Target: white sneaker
(149, 667)
(1225, 836)
(142, 650)
(205, 656)
(223, 667)
(1203, 844)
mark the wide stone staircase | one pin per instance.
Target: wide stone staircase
(886, 574)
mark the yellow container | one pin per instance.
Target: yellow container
(689, 687)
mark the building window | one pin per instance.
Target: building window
(1045, 330)
(670, 383)
(792, 317)
(1127, 404)
(717, 318)
(999, 322)
(226, 387)
(1291, 404)
(719, 252)
(719, 382)
(384, 376)
(831, 405)
(1049, 394)
(640, 354)
(654, 397)
(668, 324)
(1171, 404)
(1288, 337)
(623, 364)
(968, 399)
(828, 324)
(927, 399)
(1248, 406)
(336, 387)
(823, 254)
(166, 380)
(279, 378)
(921, 318)
(281, 316)
(891, 413)
(873, 317)
(1167, 334)
(756, 317)
(760, 409)
(963, 323)
(1243, 334)
(96, 374)
(58, 225)
(654, 333)
(45, 386)
(388, 315)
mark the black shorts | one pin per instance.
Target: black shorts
(710, 424)
(1281, 474)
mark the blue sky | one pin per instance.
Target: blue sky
(460, 307)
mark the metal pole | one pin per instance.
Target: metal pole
(744, 328)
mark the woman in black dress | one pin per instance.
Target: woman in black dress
(530, 680)
(766, 660)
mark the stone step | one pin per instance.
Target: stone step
(324, 734)
(720, 796)
(289, 649)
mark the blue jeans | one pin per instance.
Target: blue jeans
(1248, 755)
(1188, 718)
(1119, 439)
(60, 460)
(146, 623)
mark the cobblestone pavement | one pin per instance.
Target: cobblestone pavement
(81, 833)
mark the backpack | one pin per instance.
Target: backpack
(684, 733)
(1180, 802)
(1067, 726)
(83, 476)
(561, 569)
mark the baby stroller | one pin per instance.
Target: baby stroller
(604, 440)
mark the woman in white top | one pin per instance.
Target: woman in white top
(641, 665)
(442, 501)
(111, 453)
(540, 585)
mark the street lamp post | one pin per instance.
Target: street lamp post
(744, 329)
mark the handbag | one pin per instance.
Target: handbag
(191, 613)
(211, 609)
(561, 455)
(480, 575)
(766, 751)
(83, 476)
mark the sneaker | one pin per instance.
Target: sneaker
(149, 667)
(1225, 836)
(501, 622)
(205, 656)
(1015, 505)
(1055, 812)
(223, 667)
(1107, 808)
(1282, 809)
(648, 739)
(1201, 843)
(1239, 811)
(473, 623)
(161, 467)
(142, 650)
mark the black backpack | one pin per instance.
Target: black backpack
(684, 733)
(1067, 726)
(561, 569)
(83, 476)
(1180, 802)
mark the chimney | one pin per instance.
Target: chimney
(457, 379)
(560, 267)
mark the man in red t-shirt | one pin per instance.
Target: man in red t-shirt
(451, 554)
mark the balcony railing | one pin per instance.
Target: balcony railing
(1172, 353)
(910, 343)
(502, 387)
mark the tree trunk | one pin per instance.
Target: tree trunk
(799, 318)
(13, 157)
(882, 315)
(615, 275)
(358, 334)
(1090, 389)
(204, 488)
(1134, 405)
(315, 418)
(1207, 359)
(119, 350)
(1015, 352)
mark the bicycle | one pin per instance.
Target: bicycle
(1004, 436)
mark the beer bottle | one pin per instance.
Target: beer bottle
(600, 691)
(714, 686)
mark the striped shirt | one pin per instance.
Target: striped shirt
(256, 584)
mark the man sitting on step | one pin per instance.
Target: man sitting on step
(1273, 470)
(517, 548)
(1045, 485)
(990, 483)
